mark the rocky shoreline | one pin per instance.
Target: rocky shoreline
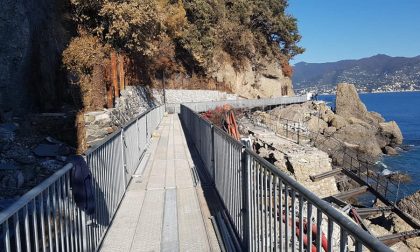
(351, 128)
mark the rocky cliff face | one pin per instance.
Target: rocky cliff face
(32, 37)
(265, 79)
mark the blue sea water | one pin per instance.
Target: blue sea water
(404, 108)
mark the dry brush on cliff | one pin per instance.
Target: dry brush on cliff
(162, 39)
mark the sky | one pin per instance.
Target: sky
(335, 30)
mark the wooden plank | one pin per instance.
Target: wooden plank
(351, 193)
(324, 175)
(390, 240)
(365, 212)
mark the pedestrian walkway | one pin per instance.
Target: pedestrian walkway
(163, 209)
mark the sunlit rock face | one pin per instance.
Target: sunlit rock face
(32, 38)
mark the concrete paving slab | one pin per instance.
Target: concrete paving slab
(161, 210)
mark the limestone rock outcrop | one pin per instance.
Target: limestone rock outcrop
(265, 79)
(390, 131)
(348, 104)
(353, 125)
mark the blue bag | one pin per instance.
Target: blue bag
(82, 185)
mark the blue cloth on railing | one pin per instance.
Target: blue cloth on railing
(81, 184)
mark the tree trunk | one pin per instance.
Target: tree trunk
(109, 97)
(121, 72)
(114, 75)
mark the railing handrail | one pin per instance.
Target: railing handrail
(347, 152)
(367, 239)
(34, 192)
(53, 199)
(239, 103)
(31, 194)
(364, 237)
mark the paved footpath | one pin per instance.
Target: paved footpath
(162, 209)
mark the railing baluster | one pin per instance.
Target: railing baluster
(281, 215)
(276, 214)
(301, 212)
(67, 219)
(286, 217)
(17, 232)
(35, 224)
(55, 218)
(27, 234)
(48, 212)
(6, 237)
(253, 205)
(43, 230)
(318, 229)
(293, 222)
(259, 227)
(343, 240)
(265, 211)
(270, 207)
(330, 234)
(309, 226)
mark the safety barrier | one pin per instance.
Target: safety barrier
(355, 163)
(351, 160)
(268, 210)
(46, 218)
(241, 103)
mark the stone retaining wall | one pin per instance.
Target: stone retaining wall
(135, 100)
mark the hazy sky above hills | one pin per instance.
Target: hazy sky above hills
(335, 30)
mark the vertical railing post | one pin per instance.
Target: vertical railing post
(246, 194)
(84, 232)
(213, 163)
(124, 165)
(138, 135)
(287, 128)
(147, 128)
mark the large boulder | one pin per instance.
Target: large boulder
(296, 112)
(338, 122)
(359, 135)
(348, 103)
(390, 151)
(391, 132)
(316, 124)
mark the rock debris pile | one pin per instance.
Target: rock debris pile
(28, 152)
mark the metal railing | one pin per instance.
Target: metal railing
(47, 219)
(353, 161)
(241, 103)
(269, 210)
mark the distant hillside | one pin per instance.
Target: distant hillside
(377, 73)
